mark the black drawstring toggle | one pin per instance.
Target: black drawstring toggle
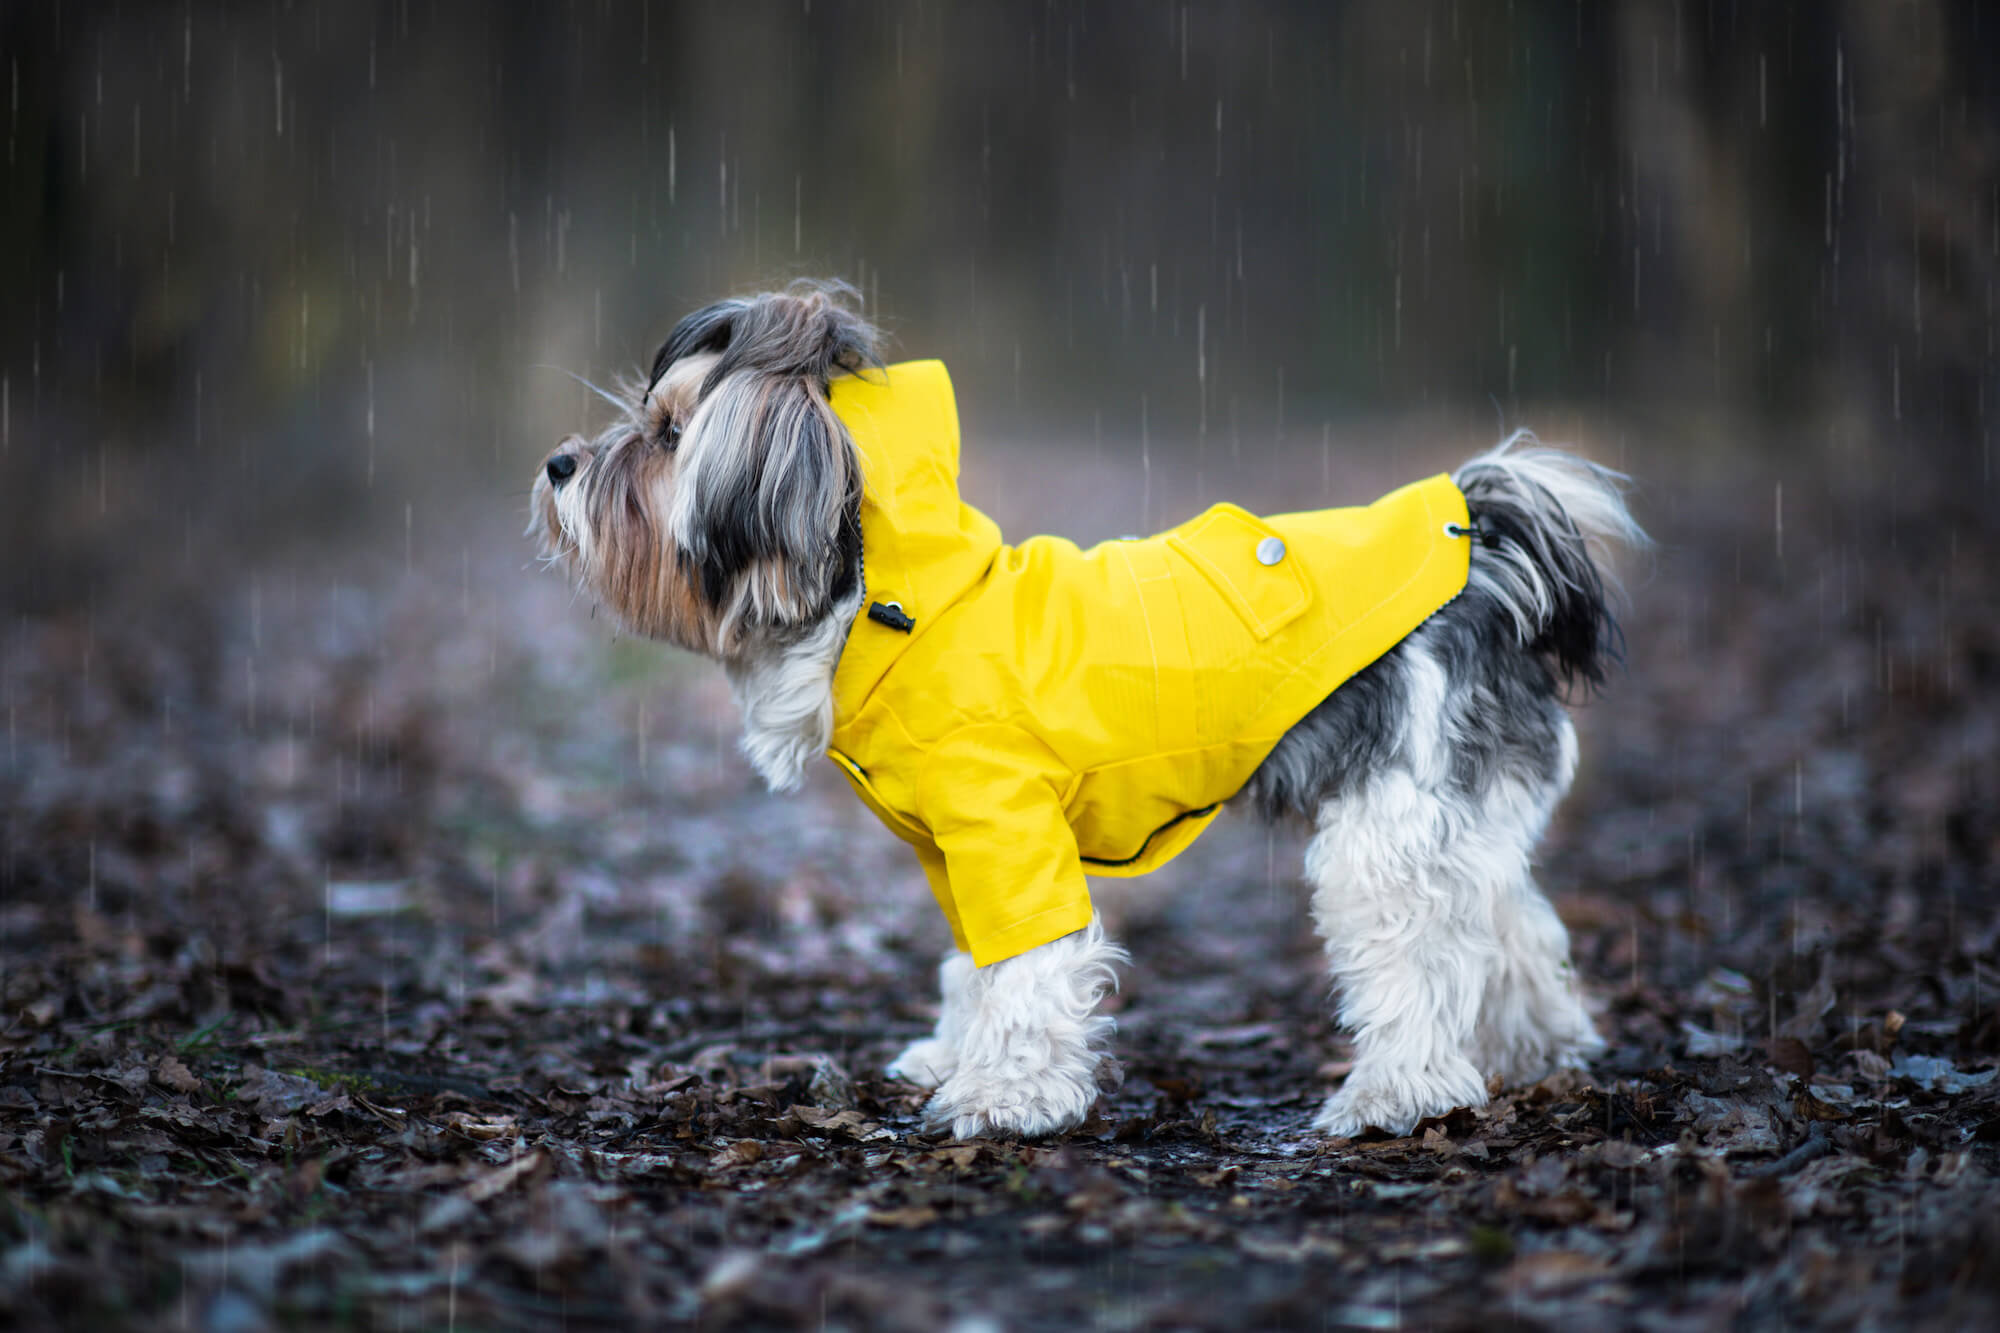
(892, 615)
(1487, 536)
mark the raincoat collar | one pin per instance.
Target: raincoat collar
(922, 546)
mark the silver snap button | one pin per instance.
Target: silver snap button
(1270, 551)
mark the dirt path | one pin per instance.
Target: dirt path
(393, 952)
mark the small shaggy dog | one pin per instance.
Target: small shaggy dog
(778, 499)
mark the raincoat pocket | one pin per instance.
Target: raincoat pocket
(1245, 560)
(909, 830)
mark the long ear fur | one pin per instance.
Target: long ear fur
(809, 330)
(768, 487)
(708, 329)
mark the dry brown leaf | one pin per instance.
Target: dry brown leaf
(1808, 1107)
(1792, 1055)
(1548, 1272)
(504, 1177)
(743, 1152)
(908, 1218)
(277, 1094)
(1869, 1065)
(851, 1123)
(484, 1129)
(171, 1074)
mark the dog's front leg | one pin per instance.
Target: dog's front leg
(932, 1060)
(1030, 1044)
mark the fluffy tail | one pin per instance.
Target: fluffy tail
(1542, 516)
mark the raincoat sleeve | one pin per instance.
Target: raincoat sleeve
(932, 860)
(991, 796)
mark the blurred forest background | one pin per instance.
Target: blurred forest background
(283, 269)
(385, 942)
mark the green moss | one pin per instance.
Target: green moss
(335, 1080)
(1491, 1245)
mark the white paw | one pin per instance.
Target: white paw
(1581, 1050)
(925, 1063)
(1522, 1057)
(1395, 1101)
(971, 1105)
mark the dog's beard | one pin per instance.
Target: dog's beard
(606, 526)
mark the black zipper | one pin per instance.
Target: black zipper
(1185, 814)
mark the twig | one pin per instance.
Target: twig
(424, 1085)
(1817, 1144)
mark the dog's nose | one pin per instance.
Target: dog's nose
(561, 468)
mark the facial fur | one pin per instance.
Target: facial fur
(721, 510)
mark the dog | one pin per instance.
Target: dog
(777, 498)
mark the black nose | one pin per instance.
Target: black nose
(561, 468)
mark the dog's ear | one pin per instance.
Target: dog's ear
(809, 331)
(708, 329)
(766, 502)
(767, 489)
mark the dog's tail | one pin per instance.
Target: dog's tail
(1543, 518)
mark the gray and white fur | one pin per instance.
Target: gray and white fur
(1429, 778)
(722, 514)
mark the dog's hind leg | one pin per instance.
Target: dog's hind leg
(1532, 1020)
(934, 1059)
(1406, 911)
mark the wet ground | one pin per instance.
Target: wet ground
(386, 945)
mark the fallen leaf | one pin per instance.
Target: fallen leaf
(743, 1152)
(171, 1074)
(482, 1129)
(1792, 1056)
(275, 1094)
(851, 1123)
(907, 1218)
(504, 1177)
(1934, 1073)
(831, 1086)
(1869, 1065)
(1700, 1042)
(1550, 1272)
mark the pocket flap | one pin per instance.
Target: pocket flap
(1223, 544)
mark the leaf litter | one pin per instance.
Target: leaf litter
(419, 994)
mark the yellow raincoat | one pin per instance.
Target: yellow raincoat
(1026, 715)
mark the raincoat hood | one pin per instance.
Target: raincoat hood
(1022, 715)
(922, 547)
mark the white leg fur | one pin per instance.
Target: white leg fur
(1450, 964)
(931, 1061)
(1030, 1042)
(1410, 942)
(1532, 1021)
